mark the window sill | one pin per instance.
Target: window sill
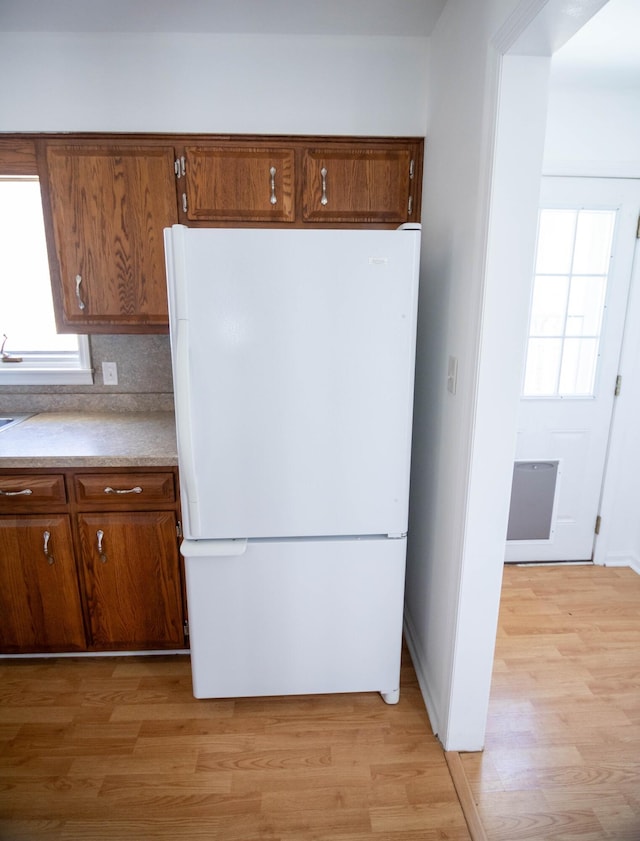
(44, 376)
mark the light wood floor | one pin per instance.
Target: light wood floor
(115, 749)
(562, 756)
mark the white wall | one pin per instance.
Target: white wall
(213, 83)
(593, 131)
(483, 164)
(462, 459)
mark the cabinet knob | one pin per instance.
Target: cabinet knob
(136, 490)
(323, 174)
(25, 492)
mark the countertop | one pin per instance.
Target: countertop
(81, 439)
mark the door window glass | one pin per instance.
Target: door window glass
(569, 293)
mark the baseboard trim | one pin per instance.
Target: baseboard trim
(465, 796)
(623, 561)
(56, 655)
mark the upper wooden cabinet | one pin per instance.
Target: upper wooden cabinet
(107, 207)
(107, 199)
(358, 183)
(237, 183)
(301, 181)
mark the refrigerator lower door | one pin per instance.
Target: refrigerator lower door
(295, 617)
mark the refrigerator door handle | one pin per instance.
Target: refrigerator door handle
(183, 425)
(214, 548)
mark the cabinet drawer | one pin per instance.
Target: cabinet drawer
(130, 489)
(20, 491)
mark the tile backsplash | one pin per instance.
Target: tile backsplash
(144, 381)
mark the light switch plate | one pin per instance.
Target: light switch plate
(452, 375)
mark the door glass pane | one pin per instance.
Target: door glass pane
(586, 305)
(578, 367)
(569, 294)
(593, 242)
(549, 305)
(543, 367)
(555, 241)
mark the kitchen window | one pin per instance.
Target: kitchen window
(33, 353)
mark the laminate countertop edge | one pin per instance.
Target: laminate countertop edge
(83, 439)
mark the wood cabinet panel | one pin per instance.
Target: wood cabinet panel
(131, 579)
(20, 492)
(108, 206)
(129, 489)
(239, 183)
(39, 596)
(17, 156)
(366, 185)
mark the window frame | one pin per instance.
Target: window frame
(18, 158)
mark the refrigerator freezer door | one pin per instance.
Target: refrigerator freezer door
(293, 358)
(295, 617)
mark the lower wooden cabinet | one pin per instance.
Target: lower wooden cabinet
(93, 566)
(40, 601)
(131, 579)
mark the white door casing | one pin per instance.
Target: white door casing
(573, 431)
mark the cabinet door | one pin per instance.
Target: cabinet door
(40, 605)
(132, 580)
(107, 210)
(358, 185)
(239, 184)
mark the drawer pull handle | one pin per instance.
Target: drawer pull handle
(136, 490)
(101, 554)
(25, 492)
(50, 559)
(324, 200)
(272, 173)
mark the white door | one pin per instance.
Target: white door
(294, 367)
(586, 243)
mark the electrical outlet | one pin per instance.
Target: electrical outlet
(109, 373)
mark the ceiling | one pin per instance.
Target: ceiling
(606, 50)
(309, 17)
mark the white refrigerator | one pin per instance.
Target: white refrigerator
(293, 361)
